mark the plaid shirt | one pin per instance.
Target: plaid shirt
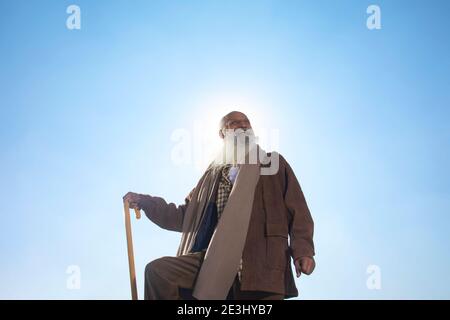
(223, 192)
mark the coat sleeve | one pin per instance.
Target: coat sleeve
(168, 216)
(301, 225)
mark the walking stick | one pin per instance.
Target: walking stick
(126, 206)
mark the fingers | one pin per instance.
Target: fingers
(129, 196)
(134, 205)
(133, 200)
(307, 265)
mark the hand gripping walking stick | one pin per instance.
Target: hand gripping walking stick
(126, 206)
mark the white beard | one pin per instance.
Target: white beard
(236, 146)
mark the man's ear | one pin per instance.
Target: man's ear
(221, 135)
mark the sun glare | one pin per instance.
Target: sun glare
(205, 119)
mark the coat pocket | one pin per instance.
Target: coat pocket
(277, 253)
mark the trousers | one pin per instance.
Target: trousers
(173, 278)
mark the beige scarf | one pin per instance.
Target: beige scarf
(223, 255)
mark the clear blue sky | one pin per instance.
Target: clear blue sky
(87, 115)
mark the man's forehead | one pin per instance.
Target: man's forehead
(236, 116)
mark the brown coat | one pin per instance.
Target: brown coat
(279, 210)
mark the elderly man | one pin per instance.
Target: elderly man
(235, 226)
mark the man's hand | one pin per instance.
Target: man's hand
(134, 200)
(305, 265)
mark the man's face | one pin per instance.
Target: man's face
(238, 138)
(235, 120)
